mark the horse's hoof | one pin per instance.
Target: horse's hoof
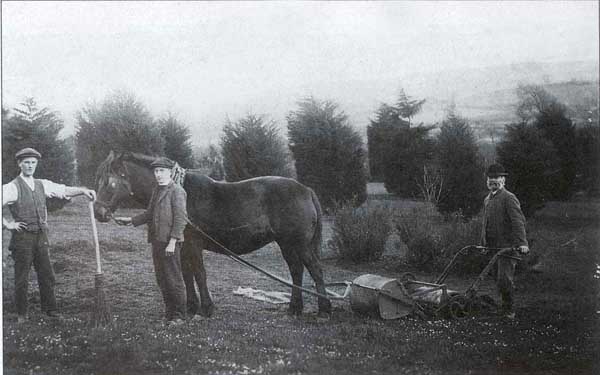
(294, 312)
(325, 307)
(290, 317)
(192, 312)
(206, 312)
(198, 318)
(323, 316)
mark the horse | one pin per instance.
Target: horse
(242, 216)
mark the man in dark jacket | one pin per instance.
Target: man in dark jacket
(503, 226)
(25, 197)
(166, 218)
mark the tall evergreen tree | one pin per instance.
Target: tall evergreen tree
(252, 147)
(379, 133)
(392, 129)
(460, 167)
(541, 109)
(328, 153)
(408, 107)
(31, 126)
(412, 152)
(177, 141)
(531, 161)
(120, 123)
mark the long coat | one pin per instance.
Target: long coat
(166, 214)
(503, 221)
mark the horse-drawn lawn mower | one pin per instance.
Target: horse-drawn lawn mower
(395, 298)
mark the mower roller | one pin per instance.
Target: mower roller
(435, 298)
(389, 298)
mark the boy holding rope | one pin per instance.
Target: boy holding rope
(166, 218)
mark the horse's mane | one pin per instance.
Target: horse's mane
(105, 168)
(138, 158)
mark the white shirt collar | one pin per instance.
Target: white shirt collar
(29, 181)
(493, 193)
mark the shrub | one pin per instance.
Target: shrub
(588, 154)
(418, 232)
(359, 234)
(432, 241)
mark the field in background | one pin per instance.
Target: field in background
(556, 330)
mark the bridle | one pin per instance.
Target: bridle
(114, 181)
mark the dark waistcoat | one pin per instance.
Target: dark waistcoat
(30, 207)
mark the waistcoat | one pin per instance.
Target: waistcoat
(30, 206)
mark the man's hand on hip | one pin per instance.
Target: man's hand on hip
(15, 225)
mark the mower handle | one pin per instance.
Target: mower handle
(501, 251)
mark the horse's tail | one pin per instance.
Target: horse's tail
(318, 234)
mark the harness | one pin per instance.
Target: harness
(178, 176)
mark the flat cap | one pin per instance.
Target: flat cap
(496, 170)
(28, 153)
(162, 163)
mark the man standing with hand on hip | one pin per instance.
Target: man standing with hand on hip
(26, 199)
(503, 226)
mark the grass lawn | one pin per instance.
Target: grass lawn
(556, 330)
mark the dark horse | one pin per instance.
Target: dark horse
(243, 216)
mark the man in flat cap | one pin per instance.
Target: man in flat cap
(503, 226)
(26, 199)
(166, 218)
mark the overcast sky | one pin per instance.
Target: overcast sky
(205, 61)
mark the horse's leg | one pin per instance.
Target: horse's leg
(311, 261)
(207, 307)
(188, 269)
(297, 272)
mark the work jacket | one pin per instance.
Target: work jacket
(166, 214)
(503, 221)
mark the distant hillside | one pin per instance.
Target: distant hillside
(486, 96)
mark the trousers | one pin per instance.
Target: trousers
(505, 277)
(170, 279)
(29, 248)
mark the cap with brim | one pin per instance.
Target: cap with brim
(496, 170)
(162, 163)
(28, 153)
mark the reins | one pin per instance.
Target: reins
(178, 176)
(244, 262)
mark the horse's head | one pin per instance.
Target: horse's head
(113, 186)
